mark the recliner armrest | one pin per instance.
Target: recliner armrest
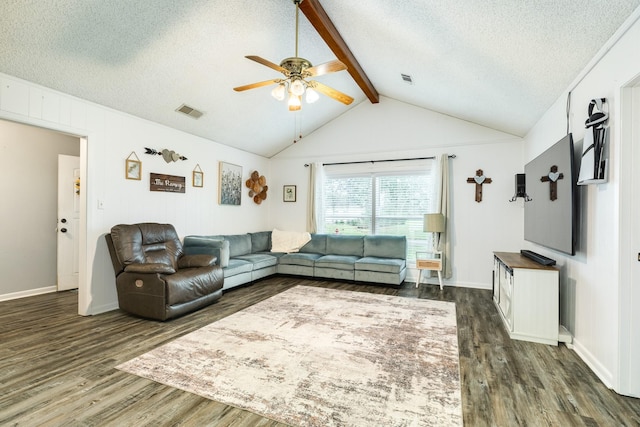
(196, 260)
(149, 268)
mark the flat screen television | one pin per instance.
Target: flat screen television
(550, 217)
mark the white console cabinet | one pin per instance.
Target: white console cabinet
(526, 295)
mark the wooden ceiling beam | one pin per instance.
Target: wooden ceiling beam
(315, 13)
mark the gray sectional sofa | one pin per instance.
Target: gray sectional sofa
(248, 257)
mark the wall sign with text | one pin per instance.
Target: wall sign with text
(167, 183)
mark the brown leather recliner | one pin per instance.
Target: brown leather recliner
(154, 278)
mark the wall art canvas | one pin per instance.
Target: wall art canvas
(230, 184)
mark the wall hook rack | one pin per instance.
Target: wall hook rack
(525, 196)
(521, 189)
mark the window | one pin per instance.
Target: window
(380, 203)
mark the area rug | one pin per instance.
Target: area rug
(321, 357)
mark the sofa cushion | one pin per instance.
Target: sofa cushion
(259, 260)
(298, 258)
(339, 262)
(210, 245)
(317, 244)
(345, 245)
(237, 266)
(239, 244)
(385, 246)
(383, 265)
(260, 241)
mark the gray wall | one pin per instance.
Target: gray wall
(28, 173)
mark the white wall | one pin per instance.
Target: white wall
(590, 280)
(112, 136)
(392, 130)
(28, 219)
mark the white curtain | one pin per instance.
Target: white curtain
(443, 205)
(315, 209)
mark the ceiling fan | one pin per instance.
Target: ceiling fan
(296, 72)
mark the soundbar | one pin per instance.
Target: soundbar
(540, 259)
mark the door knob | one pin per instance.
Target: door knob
(63, 230)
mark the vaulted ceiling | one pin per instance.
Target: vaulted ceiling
(497, 63)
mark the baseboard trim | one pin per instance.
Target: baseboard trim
(103, 308)
(430, 282)
(487, 286)
(28, 293)
(601, 372)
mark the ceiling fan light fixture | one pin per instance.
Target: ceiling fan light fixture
(311, 96)
(297, 87)
(297, 71)
(279, 92)
(294, 102)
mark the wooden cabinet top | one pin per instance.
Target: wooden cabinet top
(516, 260)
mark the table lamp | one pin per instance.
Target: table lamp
(434, 223)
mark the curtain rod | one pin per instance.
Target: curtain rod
(451, 156)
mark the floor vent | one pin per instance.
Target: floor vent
(189, 111)
(407, 78)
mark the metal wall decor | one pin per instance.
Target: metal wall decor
(168, 155)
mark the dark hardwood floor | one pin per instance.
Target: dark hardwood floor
(57, 368)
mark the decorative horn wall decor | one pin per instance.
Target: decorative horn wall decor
(257, 186)
(168, 155)
(594, 161)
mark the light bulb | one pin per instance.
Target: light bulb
(278, 92)
(311, 96)
(297, 87)
(294, 102)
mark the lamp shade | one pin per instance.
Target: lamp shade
(434, 223)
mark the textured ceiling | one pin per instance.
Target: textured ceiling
(498, 63)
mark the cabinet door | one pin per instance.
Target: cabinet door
(496, 280)
(506, 291)
(536, 315)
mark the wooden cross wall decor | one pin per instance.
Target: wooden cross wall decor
(552, 178)
(478, 180)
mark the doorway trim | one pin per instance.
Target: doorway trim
(629, 146)
(84, 294)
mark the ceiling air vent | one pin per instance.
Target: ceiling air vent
(407, 78)
(189, 111)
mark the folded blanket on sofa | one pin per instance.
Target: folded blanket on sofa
(288, 241)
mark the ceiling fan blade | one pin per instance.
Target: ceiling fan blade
(255, 85)
(332, 93)
(266, 62)
(326, 68)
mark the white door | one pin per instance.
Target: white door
(629, 292)
(632, 293)
(68, 228)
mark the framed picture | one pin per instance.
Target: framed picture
(133, 169)
(229, 184)
(289, 193)
(198, 179)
